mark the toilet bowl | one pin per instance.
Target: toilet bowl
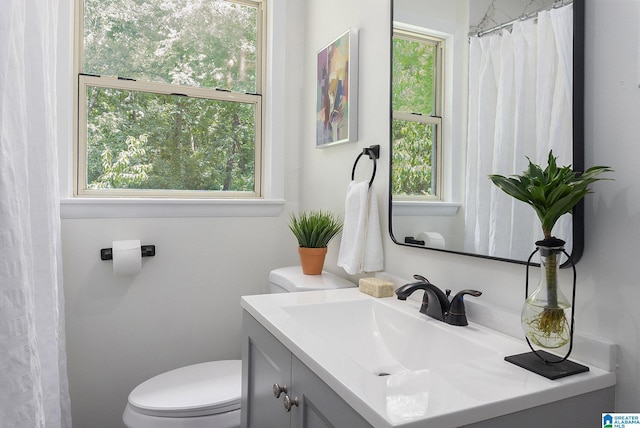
(199, 395)
(208, 394)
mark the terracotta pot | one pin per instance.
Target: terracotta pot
(312, 260)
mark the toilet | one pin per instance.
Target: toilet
(208, 394)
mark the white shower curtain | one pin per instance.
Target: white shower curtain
(520, 105)
(33, 378)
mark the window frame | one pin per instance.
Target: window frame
(436, 118)
(258, 100)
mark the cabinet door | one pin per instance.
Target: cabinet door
(265, 362)
(318, 405)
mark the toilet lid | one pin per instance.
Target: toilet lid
(292, 279)
(196, 390)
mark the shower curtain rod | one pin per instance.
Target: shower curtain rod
(526, 16)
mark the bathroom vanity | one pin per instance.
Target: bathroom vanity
(281, 389)
(344, 359)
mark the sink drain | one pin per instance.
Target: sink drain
(388, 370)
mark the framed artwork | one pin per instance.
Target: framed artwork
(337, 91)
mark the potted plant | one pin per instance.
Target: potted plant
(551, 192)
(314, 230)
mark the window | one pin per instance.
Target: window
(417, 118)
(169, 98)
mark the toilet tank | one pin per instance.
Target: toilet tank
(290, 279)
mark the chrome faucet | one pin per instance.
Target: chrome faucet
(435, 302)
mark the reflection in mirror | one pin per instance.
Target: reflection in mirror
(478, 87)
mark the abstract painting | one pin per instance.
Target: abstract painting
(337, 88)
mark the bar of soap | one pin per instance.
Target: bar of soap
(376, 287)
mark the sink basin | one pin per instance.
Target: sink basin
(400, 368)
(385, 340)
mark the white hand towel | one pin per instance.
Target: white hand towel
(361, 243)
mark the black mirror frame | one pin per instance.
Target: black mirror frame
(578, 136)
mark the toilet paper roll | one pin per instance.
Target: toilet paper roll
(432, 239)
(127, 257)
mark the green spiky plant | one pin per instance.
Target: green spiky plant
(314, 229)
(551, 192)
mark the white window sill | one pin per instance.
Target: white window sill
(147, 208)
(423, 208)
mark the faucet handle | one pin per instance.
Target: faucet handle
(474, 293)
(457, 313)
(457, 303)
(421, 278)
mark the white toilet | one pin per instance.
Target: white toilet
(208, 394)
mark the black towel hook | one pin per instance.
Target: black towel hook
(374, 153)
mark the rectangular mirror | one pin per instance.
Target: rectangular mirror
(477, 88)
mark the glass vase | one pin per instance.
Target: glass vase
(544, 314)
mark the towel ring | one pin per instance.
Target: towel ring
(374, 153)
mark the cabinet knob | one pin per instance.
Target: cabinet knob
(290, 402)
(277, 390)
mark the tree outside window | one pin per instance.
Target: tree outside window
(417, 122)
(169, 98)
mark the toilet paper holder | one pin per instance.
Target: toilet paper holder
(146, 250)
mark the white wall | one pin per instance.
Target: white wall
(609, 284)
(183, 307)
(327, 172)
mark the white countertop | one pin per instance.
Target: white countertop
(445, 396)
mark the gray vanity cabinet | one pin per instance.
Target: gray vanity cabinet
(320, 406)
(270, 369)
(265, 363)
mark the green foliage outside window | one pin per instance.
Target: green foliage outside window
(412, 158)
(144, 140)
(188, 143)
(414, 96)
(414, 76)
